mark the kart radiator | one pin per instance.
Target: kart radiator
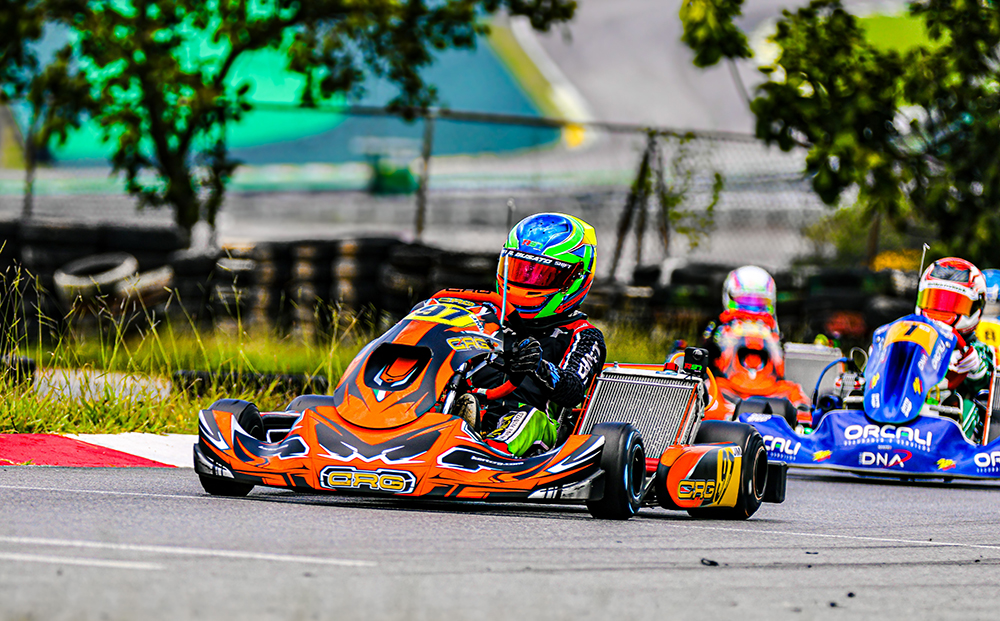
(663, 406)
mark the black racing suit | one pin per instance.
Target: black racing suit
(573, 353)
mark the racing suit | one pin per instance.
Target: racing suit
(712, 332)
(970, 371)
(552, 362)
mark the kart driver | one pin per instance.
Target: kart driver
(748, 294)
(952, 291)
(744, 346)
(552, 351)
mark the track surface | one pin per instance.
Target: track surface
(148, 543)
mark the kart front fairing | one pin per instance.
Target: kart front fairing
(890, 435)
(383, 431)
(908, 358)
(927, 446)
(399, 376)
(435, 455)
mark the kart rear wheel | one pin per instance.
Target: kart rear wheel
(753, 477)
(248, 417)
(623, 460)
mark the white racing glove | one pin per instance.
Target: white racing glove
(967, 362)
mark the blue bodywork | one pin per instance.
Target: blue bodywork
(890, 436)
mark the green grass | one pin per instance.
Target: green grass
(105, 344)
(111, 346)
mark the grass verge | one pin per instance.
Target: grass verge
(106, 374)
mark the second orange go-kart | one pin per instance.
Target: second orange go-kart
(752, 366)
(389, 429)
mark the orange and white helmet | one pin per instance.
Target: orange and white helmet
(952, 291)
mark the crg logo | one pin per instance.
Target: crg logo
(885, 460)
(695, 490)
(775, 444)
(987, 460)
(888, 432)
(345, 477)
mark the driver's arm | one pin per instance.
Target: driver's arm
(566, 382)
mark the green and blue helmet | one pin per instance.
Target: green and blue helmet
(551, 259)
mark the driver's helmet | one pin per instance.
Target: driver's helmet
(952, 291)
(749, 288)
(551, 259)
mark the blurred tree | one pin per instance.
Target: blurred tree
(54, 90)
(163, 100)
(913, 131)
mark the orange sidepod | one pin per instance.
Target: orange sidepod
(700, 475)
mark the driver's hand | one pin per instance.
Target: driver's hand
(525, 356)
(967, 361)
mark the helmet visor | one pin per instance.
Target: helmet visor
(526, 270)
(944, 301)
(751, 302)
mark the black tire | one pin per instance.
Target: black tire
(623, 460)
(248, 417)
(95, 274)
(145, 238)
(753, 478)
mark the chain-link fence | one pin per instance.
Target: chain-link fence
(455, 183)
(366, 174)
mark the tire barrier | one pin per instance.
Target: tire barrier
(192, 288)
(44, 245)
(84, 280)
(199, 383)
(355, 276)
(464, 270)
(312, 280)
(405, 278)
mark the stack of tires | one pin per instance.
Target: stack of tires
(837, 304)
(405, 278)
(311, 285)
(10, 258)
(696, 292)
(232, 281)
(47, 245)
(465, 270)
(356, 275)
(268, 301)
(192, 290)
(128, 263)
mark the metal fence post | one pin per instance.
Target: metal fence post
(425, 156)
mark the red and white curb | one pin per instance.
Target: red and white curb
(98, 450)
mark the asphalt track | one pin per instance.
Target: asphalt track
(149, 544)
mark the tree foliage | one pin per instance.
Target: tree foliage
(914, 132)
(160, 71)
(55, 91)
(21, 25)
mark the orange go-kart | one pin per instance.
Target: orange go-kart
(388, 429)
(753, 374)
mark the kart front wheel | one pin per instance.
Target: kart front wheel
(248, 417)
(623, 460)
(753, 475)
